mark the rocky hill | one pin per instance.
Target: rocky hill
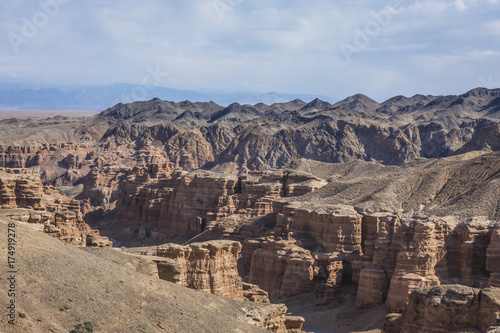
(207, 135)
(59, 287)
(358, 202)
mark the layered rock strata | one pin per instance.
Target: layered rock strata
(66, 227)
(451, 308)
(20, 189)
(309, 248)
(188, 201)
(210, 267)
(427, 252)
(24, 198)
(493, 259)
(282, 268)
(274, 319)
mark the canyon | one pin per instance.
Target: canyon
(398, 201)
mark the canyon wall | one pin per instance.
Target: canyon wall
(212, 267)
(209, 267)
(452, 308)
(180, 201)
(24, 198)
(309, 248)
(427, 252)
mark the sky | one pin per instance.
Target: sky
(332, 48)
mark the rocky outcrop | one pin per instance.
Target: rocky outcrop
(282, 269)
(426, 252)
(493, 259)
(210, 267)
(335, 228)
(274, 319)
(310, 247)
(380, 251)
(416, 262)
(188, 201)
(24, 198)
(255, 294)
(451, 308)
(102, 185)
(21, 156)
(66, 227)
(20, 189)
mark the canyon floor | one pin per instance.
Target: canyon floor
(355, 217)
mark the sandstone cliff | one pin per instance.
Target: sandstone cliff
(451, 308)
(24, 198)
(121, 299)
(209, 267)
(189, 201)
(318, 248)
(424, 253)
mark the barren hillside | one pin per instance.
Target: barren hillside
(59, 286)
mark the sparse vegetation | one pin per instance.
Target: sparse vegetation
(86, 327)
(65, 308)
(141, 328)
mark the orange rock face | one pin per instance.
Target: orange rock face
(416, 262)
(337, 228)
(210, 267)
(188, 201)
(20, 189)
(430, 252)
(60, 215)
(285, 269)
(493, 259)
(282, 269)
(444, 309)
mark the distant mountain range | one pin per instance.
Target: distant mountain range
(23, 96)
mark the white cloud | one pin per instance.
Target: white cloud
(460, 5)
(493, 27)
(288, 46)
(475, 54)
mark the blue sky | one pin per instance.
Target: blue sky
(333, 48)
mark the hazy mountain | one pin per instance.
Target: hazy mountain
(24, 96)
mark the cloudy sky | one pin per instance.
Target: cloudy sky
(333, 48)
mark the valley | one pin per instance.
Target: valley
(357, 216)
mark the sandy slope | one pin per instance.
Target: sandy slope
(464, 185)
(341, 316)
(59, 286)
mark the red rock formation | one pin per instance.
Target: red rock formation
(274, 319)
(66, 227)
(493, 259)
(375, 275)
(102, 185)
(282, 269)
(336, 228)
(210, 267)
(253, 293)
(447, 309)
(29, 201)
(421, 253)
(417, 261)
(466, 255)
(20, 189)
(187, 201)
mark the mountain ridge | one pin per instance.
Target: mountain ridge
(99, 97)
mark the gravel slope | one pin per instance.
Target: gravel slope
(59, 286)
